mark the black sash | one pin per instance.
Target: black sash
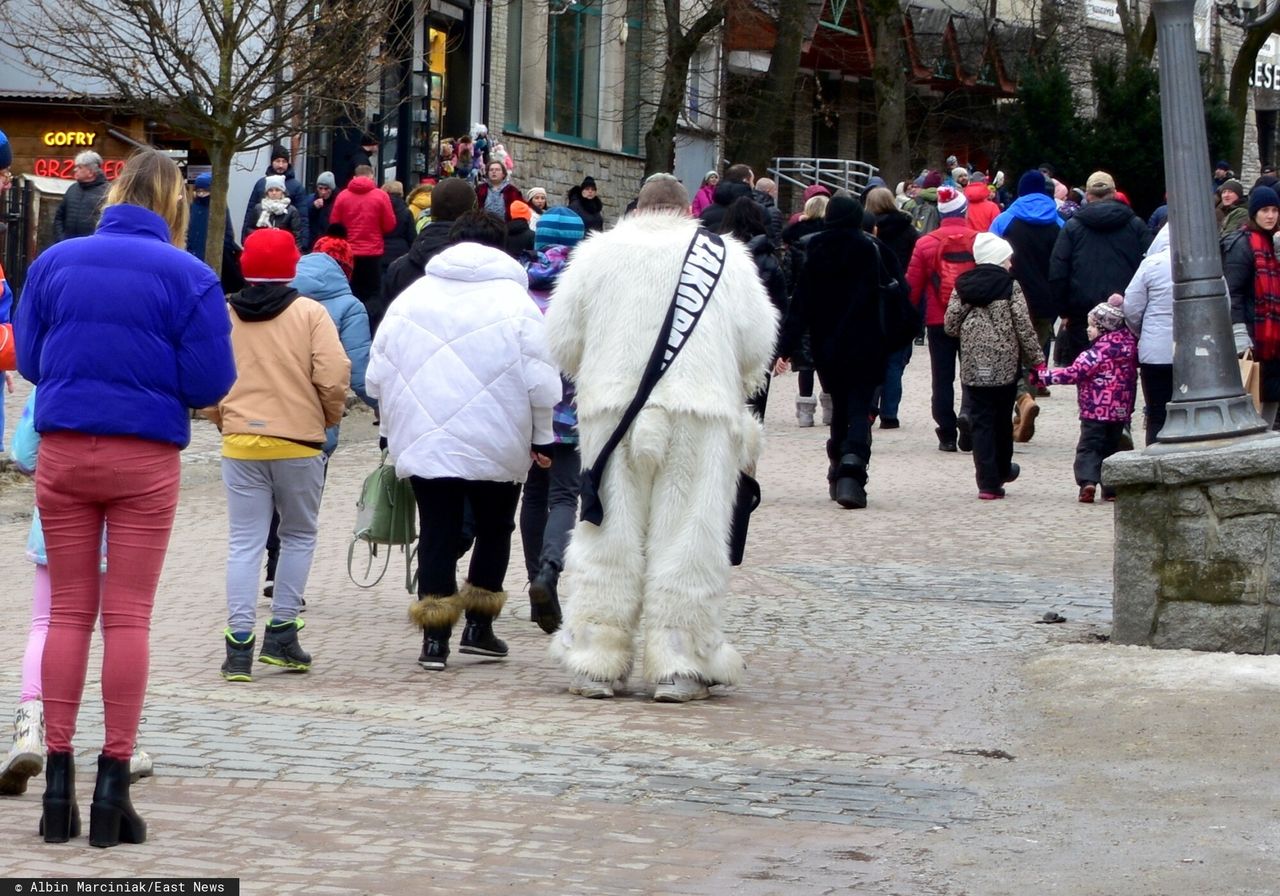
(703, 264)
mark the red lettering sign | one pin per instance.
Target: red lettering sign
(64, 169)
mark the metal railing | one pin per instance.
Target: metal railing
(834, 174)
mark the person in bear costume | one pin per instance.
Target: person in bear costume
(661, 550)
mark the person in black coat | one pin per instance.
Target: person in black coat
(81, 205)
(396, 243)
(838, 303)
(712, 217)
(279, 166)
(318, 206)
(893, 228)
(520, 236)
(450, 198)
(747, 221)
(584, 200)
(1095, 254)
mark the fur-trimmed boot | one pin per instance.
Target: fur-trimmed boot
(482, 607)
(435, 614)
(805, 407)
(824, 399)
(26, 756)
(60, 820)
(112, 819)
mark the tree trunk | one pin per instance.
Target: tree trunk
(220, 161)
(889, 77)
(1238, 90)
(660, 140)
(759, 140)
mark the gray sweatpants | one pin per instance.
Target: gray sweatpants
(254, 489)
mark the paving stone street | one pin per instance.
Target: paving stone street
(907, 726)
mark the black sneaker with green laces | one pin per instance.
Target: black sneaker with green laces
(238, 666)
(280, 646)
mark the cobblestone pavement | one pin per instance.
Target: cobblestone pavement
(887, 652)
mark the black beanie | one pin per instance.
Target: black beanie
(588, 183)
(279, 152)
(844, 212)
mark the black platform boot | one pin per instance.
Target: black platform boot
(478, 637)
(111, 816)
(435, 648)
(851, 491)
(60, 820)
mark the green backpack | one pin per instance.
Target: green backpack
(386, 514)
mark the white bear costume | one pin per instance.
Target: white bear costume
(668, 489)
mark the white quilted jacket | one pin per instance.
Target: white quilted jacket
(461, 372)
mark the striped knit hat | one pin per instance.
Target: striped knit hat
(559, 226)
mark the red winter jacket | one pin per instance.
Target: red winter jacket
(366, 213)
(982, 211)
(927, 295)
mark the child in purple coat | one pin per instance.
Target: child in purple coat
(1106, 375)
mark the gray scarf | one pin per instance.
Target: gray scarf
(493, 201)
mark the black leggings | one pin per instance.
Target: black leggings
(440, 518)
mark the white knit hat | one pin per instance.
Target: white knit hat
(991, 249)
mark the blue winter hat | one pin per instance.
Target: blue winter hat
(204, 181)
(1262, 197)
(559, 226)
(6, 151)
(1031, 183)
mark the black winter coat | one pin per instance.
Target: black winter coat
(590, 210)
(292, 189)
(712, 217)
(431, 240)
(81, 205)
(837, 303)
(1095, 254)
(290, 221)
(317, 218)
(761, 249)
(519, 237)
(772, 214)
(896, 231)
(1033, 246)
(397, 242)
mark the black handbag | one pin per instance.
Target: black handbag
(746, 501)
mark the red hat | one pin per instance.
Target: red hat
(339, 250)
(270, 256)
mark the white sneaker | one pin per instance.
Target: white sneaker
(140, 765)
(26, 756)
(583, 685)
(681, 689)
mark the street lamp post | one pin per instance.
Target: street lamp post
(1209, 403)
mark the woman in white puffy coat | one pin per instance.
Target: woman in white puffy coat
(1148, 310)
(461, 373)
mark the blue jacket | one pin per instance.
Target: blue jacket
(124, 332)
(319, 277)
(1036, 208)
(198, 228)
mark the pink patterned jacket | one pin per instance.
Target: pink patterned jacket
(1106, 375)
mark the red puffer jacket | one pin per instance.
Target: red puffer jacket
(366, 213)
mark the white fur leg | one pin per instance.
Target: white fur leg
(603, 652)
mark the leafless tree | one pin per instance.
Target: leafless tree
(1257, 28)
(230, 73)
(686, 25)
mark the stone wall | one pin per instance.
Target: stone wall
(557, 166)
(1197, 548)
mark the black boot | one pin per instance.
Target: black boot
(111, 817)
(478, 637)
(851, 492)
(435, 648)
(60, 820)
(544, 599)
(280, 647)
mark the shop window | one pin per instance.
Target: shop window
(573, 72)
(703, 84)
(515, 37)
(631, 78)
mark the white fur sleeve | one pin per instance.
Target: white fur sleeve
(565, 317)
(539, 374)
(755, 318)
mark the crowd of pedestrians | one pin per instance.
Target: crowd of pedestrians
(600, 384)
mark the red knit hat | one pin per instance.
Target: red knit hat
(270, 256)
(339, 250)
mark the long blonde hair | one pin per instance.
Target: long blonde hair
(815, 208)
(153, 181)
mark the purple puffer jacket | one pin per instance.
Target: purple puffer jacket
(1106, 374)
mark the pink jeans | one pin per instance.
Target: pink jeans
(83, 481)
